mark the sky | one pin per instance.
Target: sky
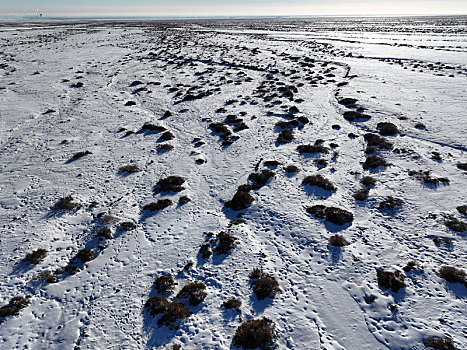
(72, 8)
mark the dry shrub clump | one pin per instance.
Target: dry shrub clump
(368, 181)
(172, 311)
(462, 209)
(36, 256)
(319, 181)
(264, 285)
(260, 179)
(374, 140)
(80, 154)
(334, 215)
(241, 200)
(127, 226)
(440, 343)
(194, 292)
(159, 205)
(316, 148)
(390, 280)
(361, 194)
(386, 128)
(152, 127)
(291, 169)
(165, 147)
(105, 232)
(67, 204)
(130, 169)
(226, 243)
(254, 334)
(164, 284)
(374, 161)
(13, 307)
(426, 178)
(45, 276)
(338, 241)
(285, 136)
(455, 224)
(169, 184)
(205, 251)
(390, 203)
(232, 303)
(85, 255)
(453, 275)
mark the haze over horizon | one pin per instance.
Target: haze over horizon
(50, 8)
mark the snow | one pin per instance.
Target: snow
(322, 304)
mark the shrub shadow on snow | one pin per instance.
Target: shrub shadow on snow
(317, 192)
(333, 228)
(459, 290)
(335, 254)
(260, 305)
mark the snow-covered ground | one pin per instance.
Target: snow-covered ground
(263, 72)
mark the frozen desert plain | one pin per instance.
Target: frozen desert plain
(231, 88)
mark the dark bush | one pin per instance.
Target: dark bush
(220, 128)
(80, 154)
(254, 334)
(175, 311)
(164, 284)
(412, 265)
(232, 303)
(152, 127)
(85, 255)
(368, 181)
(226, 243)
(338, 241)
(265, 286)
(13, 308)
(156, 305)
(256, 273)
(36, 256)
(205, 250)
(183, 200)
(130, 169)
(390, 203)
(334, 215)
(260, 179)
(272, 163)
(130, 103)
(374, 140)
(241, 200)
(462, 166)
(425, 177)
(373, 162)
(194, 292)
(455, 224)
(291, 169)
(462, 209)
(386, 128)
(105, 232)
(390, 280)
(165, 147)
(285, 136)
(361, 194)
(127, 226)
(45, 276)
(320, 181)
(439, 240)
(453, 275)
(159, 205)
(348, 101)
(167, 136)
(171, 311)
(66, 203)
(169, 184)
(440, 343)
(316, 148)
(352, 116)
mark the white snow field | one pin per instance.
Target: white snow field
(242, 96)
